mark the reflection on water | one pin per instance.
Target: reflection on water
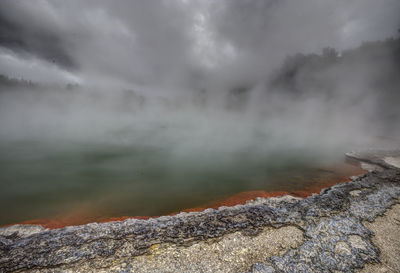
(44, 179)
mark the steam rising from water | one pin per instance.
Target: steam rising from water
(100, 153)
(185, 125)
(205, 67)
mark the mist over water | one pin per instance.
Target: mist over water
(151, 107)
(116, 153)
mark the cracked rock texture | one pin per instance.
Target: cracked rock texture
(333, 231)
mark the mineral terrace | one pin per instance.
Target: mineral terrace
(351, 226)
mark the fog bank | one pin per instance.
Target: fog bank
(199, 76)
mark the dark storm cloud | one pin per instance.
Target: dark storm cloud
(181, 42)
(29, 34)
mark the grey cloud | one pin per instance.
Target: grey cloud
(189, 43)
(29, 33)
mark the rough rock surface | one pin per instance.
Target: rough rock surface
(328, 229)
(387, 239)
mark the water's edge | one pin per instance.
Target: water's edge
(326, 219)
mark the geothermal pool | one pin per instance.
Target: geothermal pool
(83, 157)
(83, 182)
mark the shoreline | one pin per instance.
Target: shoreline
(327, 232)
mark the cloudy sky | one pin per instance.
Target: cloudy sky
(177, 42)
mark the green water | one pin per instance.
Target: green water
(44, 179)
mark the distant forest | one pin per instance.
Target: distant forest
(7, 83)
(377, 64)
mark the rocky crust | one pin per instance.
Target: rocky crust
(332, 222)
(387, 238)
